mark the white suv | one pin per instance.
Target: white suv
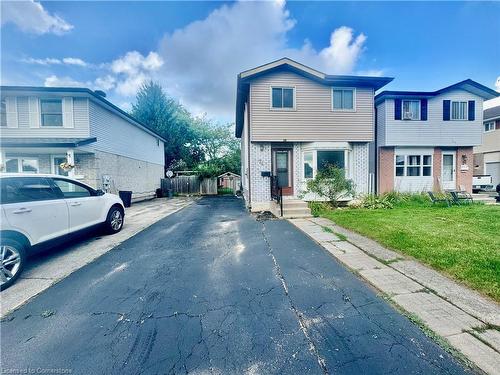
(40, 210)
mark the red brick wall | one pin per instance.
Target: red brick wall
(436, 168)
(385, 169)
(464, 178)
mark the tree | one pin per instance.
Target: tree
(331, 183)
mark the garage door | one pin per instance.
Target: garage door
(494, 170)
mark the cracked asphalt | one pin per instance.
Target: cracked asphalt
(211, 290)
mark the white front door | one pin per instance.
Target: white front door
(448, 171)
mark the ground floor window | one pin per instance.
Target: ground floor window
(21, 164)
(413, 165)
(318, 160)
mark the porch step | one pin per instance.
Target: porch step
(292, 208)
(485, 198)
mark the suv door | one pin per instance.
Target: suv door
(86, 208)
(34, 208)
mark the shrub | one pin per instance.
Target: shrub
(224, 190)
(372, 201)
(317, 208)
(392, 199)
(330, 183)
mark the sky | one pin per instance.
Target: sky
(196, 49)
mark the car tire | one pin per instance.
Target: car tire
(115, 220)
(12, 260)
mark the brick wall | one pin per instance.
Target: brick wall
(385, 169)
(464, 177)
(436, 168)
(260, 190)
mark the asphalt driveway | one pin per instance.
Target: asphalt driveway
(211, 290)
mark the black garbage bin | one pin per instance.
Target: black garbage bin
(126, 197)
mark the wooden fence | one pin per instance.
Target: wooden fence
(191, 185)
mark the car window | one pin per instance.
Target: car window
(26, 189)
(71, 189)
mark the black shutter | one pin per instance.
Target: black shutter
(446, 110)
(423, 109)
(472, 110)
(397, 109)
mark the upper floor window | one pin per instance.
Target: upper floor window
(283, 97)
(489, 126)
(51, 111)
(343, 99)
(411, 109)
(3, 113)
(459, 110)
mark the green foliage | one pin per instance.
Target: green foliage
(372, 201)
(330, 183)
(391, 200)
(317, 208)
(222, 191)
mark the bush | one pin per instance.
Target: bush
(317, 208)
(392, 199)
(224, 190)
(372, 201)
(331, 184)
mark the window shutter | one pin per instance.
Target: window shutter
(34, 112)
(397, 109)
(11, 111)
(446, 110)
(423, 109)
(472, 110)
(67, 107)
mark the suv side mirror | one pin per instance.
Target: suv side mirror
(99, 192)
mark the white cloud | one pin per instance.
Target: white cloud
(497, 84)
(105, 83)
(203, 58)
(54, 61)
(55, 81)
(74, 61)
(30, 16)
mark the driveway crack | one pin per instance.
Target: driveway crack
(277, 269)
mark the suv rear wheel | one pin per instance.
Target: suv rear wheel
(12, 259)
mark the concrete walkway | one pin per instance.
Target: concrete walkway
(467, 320)
(48, 268)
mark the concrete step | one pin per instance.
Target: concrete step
(295, 204)
(485, 198)
(292, 209)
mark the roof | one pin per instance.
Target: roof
(285, 63)
(85, 92)
(492, 113)
(467, 85)
(46, 142)
(227, 174)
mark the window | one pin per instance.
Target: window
(343, 99)
(330, 158)
(26, 189)
(413, 165)
(308, 164)
(51, 110)
(459, 110)
(411, 109)
(489, 126)
(3, 113)
(72, 190)
(26, 165)
(282, 97)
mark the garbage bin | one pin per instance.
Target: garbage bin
(126, 197)
(170, 193)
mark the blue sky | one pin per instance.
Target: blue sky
(195, 49)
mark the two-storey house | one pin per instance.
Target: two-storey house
(424, 140)
(77, 132)
(487, 155)
(294, 120)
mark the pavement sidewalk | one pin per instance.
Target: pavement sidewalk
(467, 320)
(47, 269)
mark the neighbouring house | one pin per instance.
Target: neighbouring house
(294, 120)
(424, 140)
(487, 154)
(77, 132)
(229, 180)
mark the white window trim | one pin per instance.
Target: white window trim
(41, 114)
(282, 108)
(419, 111)
(353, 99)
(466, 110)
(421, 165)
(489, 123)
(20, 164)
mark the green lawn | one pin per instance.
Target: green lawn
(462, 242)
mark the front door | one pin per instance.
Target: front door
(448, 171)
(282, 169)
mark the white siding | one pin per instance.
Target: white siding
(116, 135)
(80, 127)
(434, 131)
(313, 118)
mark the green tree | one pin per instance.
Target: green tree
(331, 183)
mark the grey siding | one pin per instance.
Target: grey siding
(313, 118)
(381, 113)
(116, 135)
(434, 131)
(80, 119)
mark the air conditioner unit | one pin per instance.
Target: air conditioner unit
(407, 116)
